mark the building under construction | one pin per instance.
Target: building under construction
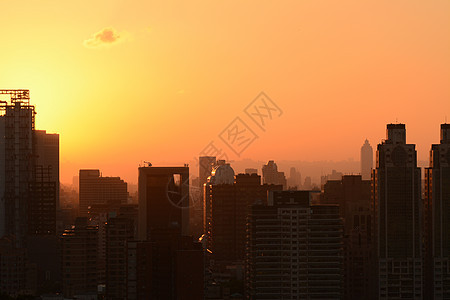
(27, 187)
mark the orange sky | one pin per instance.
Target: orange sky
(127, 81)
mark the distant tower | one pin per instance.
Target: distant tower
(397, 208)
(366, 160)
(271, 174)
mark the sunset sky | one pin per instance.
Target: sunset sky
(129, 81)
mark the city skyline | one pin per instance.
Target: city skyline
(332, 68)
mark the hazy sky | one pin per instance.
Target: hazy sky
(128, 81)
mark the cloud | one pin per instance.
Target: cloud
(104, 38)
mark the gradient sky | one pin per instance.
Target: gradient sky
(128, 81)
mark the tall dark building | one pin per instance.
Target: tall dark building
(29, 170)
(205, 166)
(437, 219)
(166, 263)
(294, 249)
(119, 230)
(100, 194)
(163, 199)
(353, 196)
(79, 259)
(366, 160)
(229, 205)
(398, 216)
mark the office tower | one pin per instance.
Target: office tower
(170, 267)
(294, 249)
(333, 176)
(222, 173)
(437, 219)
(79, 259)
(119, 230)
(177, 270)
(163, 199)
(229, 204)
(307, 185)
(205, 166)
(17, 162)
(353, 195)
(295, 179)
(251, 171)
(271, 174)
(47, 156)
(366, 160)
(100, 194)
(397, 212)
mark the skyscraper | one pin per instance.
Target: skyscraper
(29, 170)
(205, 166)
(353, 196)
(366, 160)
(271, 174)
(163, 199)
(229, 205)
(397, 213)
(437, 219)
(100, 194)
(294, 249)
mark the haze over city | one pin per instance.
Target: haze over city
(128, 81)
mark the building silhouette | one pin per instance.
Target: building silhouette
(437, 219)
(272, 176)
(79, 259)
(100, 194)
(175, 261)
(205, 166)
(229, 205)
(294, 249)
(398, 216)
(366, 160)
(353, 195)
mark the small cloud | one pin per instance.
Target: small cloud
(105, 37)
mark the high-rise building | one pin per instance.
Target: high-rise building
(437, 219)
(79, 259)
(353, 196)
(229, 205)
(175, 261)
(29, 170)
(205, 166)
(163, 199)
(366, 160)
(169, 267)
(100, 194)
(119, 230)
(271, 174)
(294, 249)
(295, 179)
(398, 216)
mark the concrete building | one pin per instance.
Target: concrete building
(272, 176)
(100, 194)
(437, 219)
(205, 166)
(353, 195)
(366, 160)
(294, 249)
(119, 230)
(227, 206)
(79, 259)
(163, 199)
(398, 216)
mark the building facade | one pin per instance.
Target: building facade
(437, 219)
(294, 249)
(397, 213)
